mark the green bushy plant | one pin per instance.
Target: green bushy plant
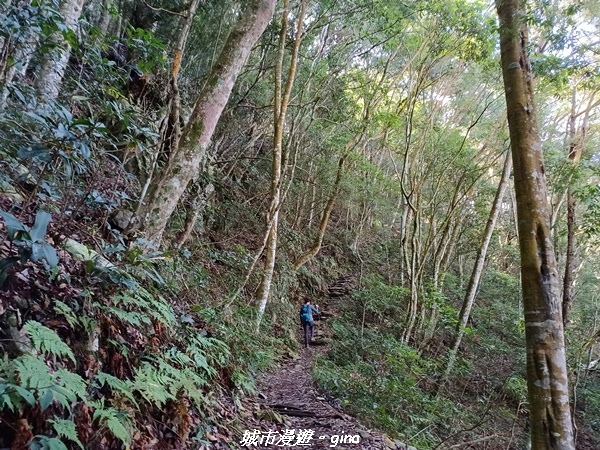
(31, 242)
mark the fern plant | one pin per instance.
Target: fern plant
(116, 421)
(137, 307)
(46, 341)
(28, 379)
(66, 429)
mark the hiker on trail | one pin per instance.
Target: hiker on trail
(307, 321)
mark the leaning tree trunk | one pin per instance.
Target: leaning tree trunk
(211, 101)
(547, 377)
(465, 311)
(53, 66)
(314, 249)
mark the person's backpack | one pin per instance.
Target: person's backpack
(305, 313)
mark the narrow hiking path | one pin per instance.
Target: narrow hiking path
(289, 400)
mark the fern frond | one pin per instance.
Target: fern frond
(131, 317)
(71, 381)
(33, 372)
(114, 421)
(159, 308)
(174, 355)
(150, 383)
(46, 341)
(63, 386)
(122, 387)
(67, 429)
(215, 350)
(67, 312)
(12, 394)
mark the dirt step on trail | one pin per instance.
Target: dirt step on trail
(288, 400)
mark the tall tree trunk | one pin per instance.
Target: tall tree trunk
(573, 152)
(105, 19)
(53, 66)
(473, 286)
(280, 105)
(547, 377)
(575, 147)
(196, 135)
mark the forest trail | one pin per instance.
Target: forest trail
(289, 400)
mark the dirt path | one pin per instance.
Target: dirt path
(289, 392)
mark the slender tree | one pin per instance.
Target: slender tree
(280, 105)
(576, 140)
(473, 286)
(547, 377)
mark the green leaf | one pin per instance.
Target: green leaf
(46, 399)
(64, 396)
(47, 341)
(67, 429)
(36, 252)
(36, 117)
(38, 231)
(66, 311)
(50, 254)
(72, 382)
(152, 385)
(5, 400)
(33, 372)
(12, 223)
(117, 385)
(113, 420)
(46, 443)
(84, 149)
(25, 393)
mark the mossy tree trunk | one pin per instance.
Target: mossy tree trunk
(547, 377)
(184, 164)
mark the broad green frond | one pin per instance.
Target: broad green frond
(72, 382)
(33, 372)
(46, 341)
(66, 428)
(117, 385)
(47, 443)
(151, 384)
(114, 420)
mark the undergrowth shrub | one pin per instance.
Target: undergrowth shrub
(153, 361)
(385, 381)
